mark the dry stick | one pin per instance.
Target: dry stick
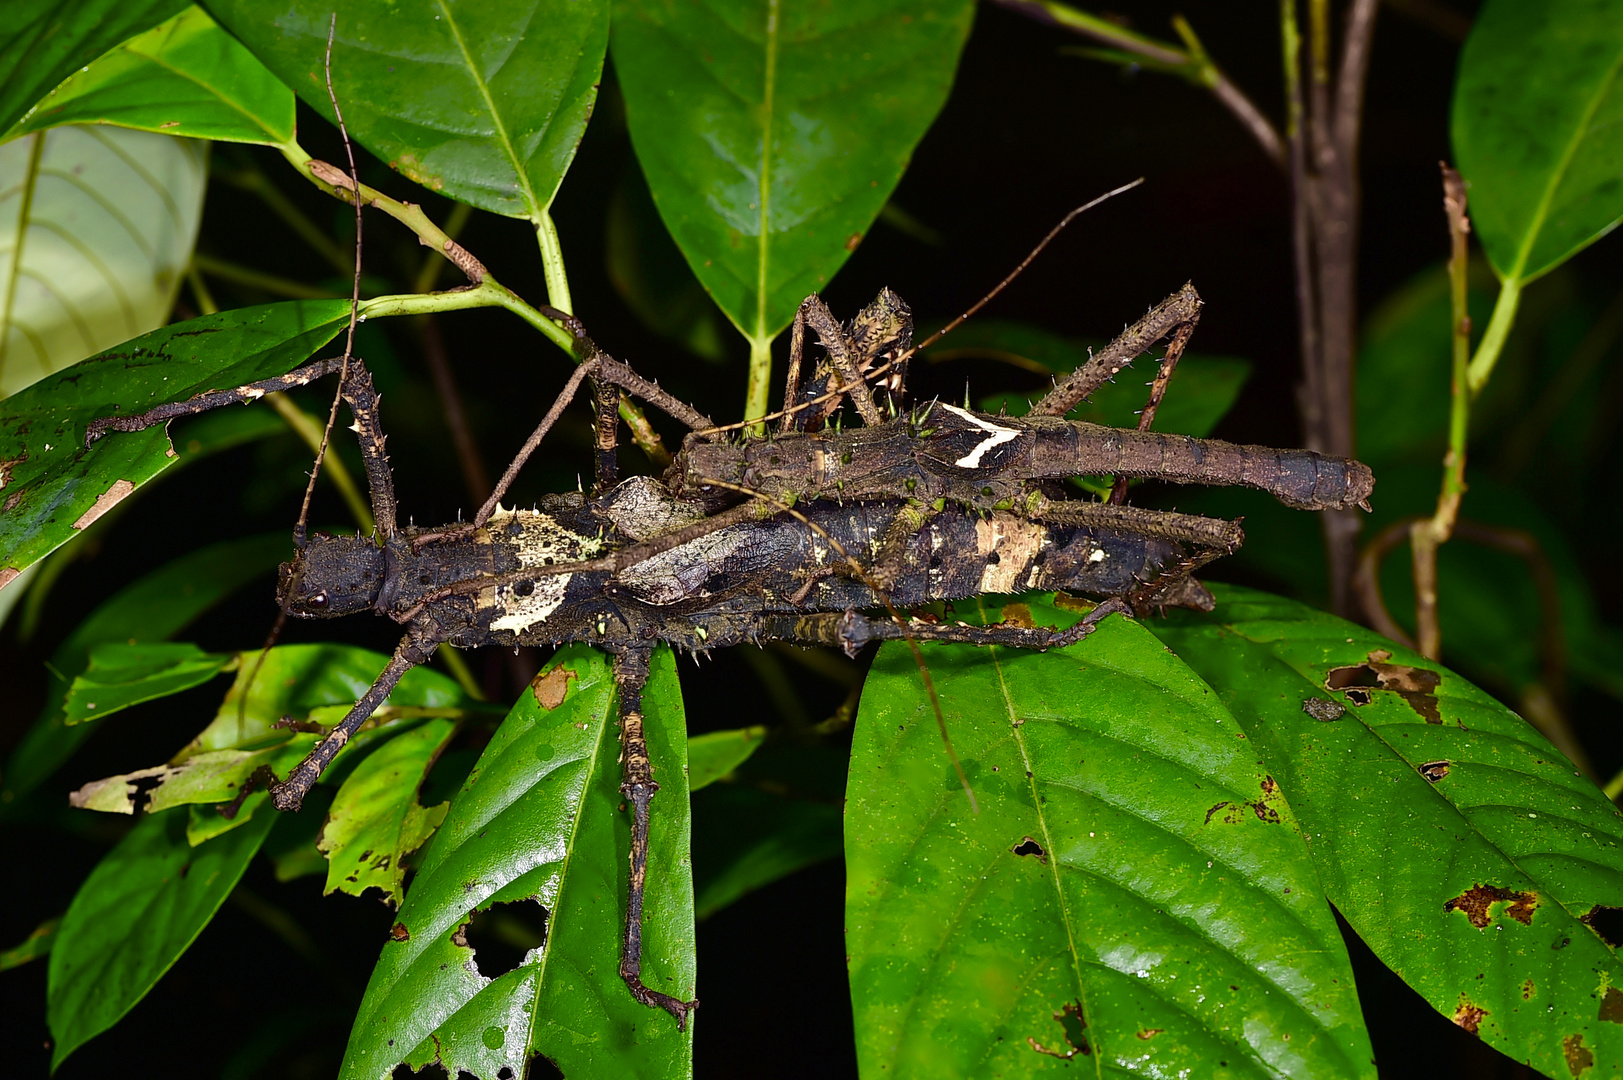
(1428, 535)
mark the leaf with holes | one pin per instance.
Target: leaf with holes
(151, 609)
(183, 77)
(44, 41)
(539, 820)
(97, 225)
(53, 486)
(304, 684)
(1464, 849)
(1537, 106)
(484, 102)
(1134, 887)
(376, 821)
(121, 674)
(138, 911)
(772, 135)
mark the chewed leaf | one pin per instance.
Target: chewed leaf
(375, 820)
(1134, 888)
(1461, 846)
(122, 674)
(539, 821)
(55, 485)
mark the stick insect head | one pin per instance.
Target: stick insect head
(331, 576)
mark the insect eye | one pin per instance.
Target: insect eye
(319, 600)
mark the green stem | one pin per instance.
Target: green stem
(759, 387)
(458, 668)
(552, 265)
(1493, 339)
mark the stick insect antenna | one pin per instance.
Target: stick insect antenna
(300, 529)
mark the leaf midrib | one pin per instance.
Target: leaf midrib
(530, 201)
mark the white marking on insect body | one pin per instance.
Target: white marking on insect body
(999, 435)
(542, 542)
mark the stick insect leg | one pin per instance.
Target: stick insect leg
(214, 399)
(833, 337)
(1158, 390)
(1181, 307)
(363, 405)
(638, 787)
(605, 440)
(793, 417)
(415, 648)
(852, 630)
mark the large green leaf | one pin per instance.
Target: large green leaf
(539, 819)
(1133, 868)
(771, 136)
(137, 912)
(43, 41)
(1537, 109)
(1461, 846)
(151, 609)
(184, 77)
(96, 227)
(483, 102)
(54, 485)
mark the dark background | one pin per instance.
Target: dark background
(1029, 132)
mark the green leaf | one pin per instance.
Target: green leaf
(34, 946)
(1202, 391)
(97, 225)
(1537, 106)
(713, 755)
(311, 684)
(771, 137)
(56, 486)
(150, 609)
(1459, 844)
(375, 820)
(137, 912)
(745, 838)
(45, 40)
(184, 77)
(539, 820)
(486, 105)
(1131, 862)
(121, 674)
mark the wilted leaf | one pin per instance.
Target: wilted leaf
(1133, 868)
(1461, 846)
(539, 821)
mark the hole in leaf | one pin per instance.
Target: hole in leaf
(542, 1067)
(1071, 1022)
(1028, 846)
(1416, 686)
(1476, 903)
(1607, 922)
(503, 935)
(1434, 770)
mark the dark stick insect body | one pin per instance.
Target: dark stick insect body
(940, 504)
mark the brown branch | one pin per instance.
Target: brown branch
(1366, 580)
(1350, 80)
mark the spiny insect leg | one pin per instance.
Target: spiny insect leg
(852, 630)
(1181, 307)
(606, 436)
(363, 405)
(1139, 521)
(213, 399)
(1158, 389)
(794, 419)
(415, 648)
(638, 787)
(832, 335)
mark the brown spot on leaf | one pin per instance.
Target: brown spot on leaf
(1477, 904)
(550, 687)
(1416, 686)
(108, 499)
(1018, 615)
(398, 932)
(1149, 1033)
(1579, 1057)
(1028, 846)
(8, 574)
(7, 464)
(852, 241)
(1528, 990)
(459, 936)
(1070, 1020)
(1611, 1006)
(1322, 710)
(1605, 921)
(1434, 770)
(1469, 1016)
